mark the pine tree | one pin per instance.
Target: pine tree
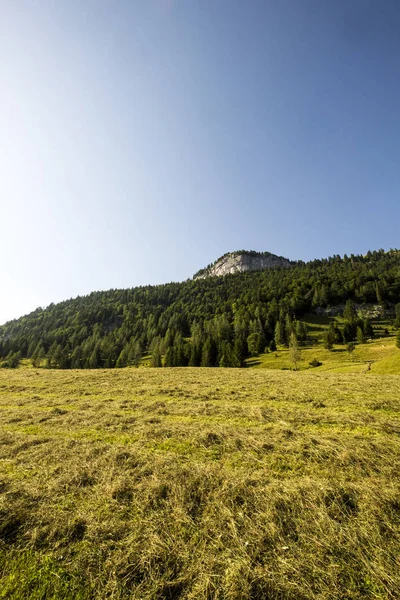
(76, 358)
(31, 349)
(239, 351)
(134, 354)
(338, 335)
(65, 361)
(324, 297)
(122, 359)
(349, 313)
(316, 301)
(350, 347)
(156, 357)
(360, 335)
(294, 350)
(288, 329)
(301, 331)
(196, 343)
(94, 359)
(349, 331)
(367, 328)
(223, 362)
(279, 334)
(179, 351)
(253, 343)
(169, 357)
(329, 337)
(38, 355)
(207, 356)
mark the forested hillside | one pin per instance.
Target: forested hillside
(203, 322)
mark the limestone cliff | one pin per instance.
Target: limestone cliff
(242, 261)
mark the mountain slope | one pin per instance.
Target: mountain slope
(210, 322)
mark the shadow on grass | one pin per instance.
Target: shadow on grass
(253, 362)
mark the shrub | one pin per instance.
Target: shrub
(315, 363)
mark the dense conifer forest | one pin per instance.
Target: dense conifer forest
(218, 321)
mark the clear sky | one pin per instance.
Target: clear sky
(142, 139)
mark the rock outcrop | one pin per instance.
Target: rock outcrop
(240, 262)
(366, 310)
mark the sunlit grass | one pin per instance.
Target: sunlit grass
(201, 483)
(381, 353)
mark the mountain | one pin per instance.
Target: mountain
(211, 321)
(242, 261)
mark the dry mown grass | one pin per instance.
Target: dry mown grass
(199, 484)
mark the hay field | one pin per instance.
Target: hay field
(199, 484)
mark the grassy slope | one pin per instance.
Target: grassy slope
(381, 352)
(199, 483)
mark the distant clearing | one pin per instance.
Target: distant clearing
(198, 484)
(381, 353)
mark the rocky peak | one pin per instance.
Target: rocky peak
(242, 261)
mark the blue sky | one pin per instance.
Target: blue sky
(140, 140)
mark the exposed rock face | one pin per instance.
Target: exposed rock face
(240, 262)
(369, 311)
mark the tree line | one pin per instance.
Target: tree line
(217, 321)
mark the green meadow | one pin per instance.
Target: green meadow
(203, 483)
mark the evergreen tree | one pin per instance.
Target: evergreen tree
(379, 295)
(208, 354)
(294, 350)
(349, 313)
(350, 347)
(329, 337)
(279, 335)
(55, 354)
(253, 342)
(38, 355)
(64, 361)
(223, 362)
(228, 352)
(289, 328)
(156, 356)
(179, 351)
(13, 360)
(316, 301)
(134, 354)
(324, 296)
(76, 358)
(122, 360)
(196, 342)
(349, 331)
(367, 328)
(94, 358)
(301, 331)
(169, 357)
(239, 352)
(338, 338)
(31, 349)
